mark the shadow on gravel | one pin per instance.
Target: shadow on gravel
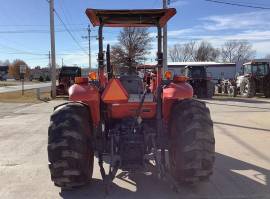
(232, 179)
(240, 126)
(243, 100)
(234, 105)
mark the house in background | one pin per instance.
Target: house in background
(38, 72)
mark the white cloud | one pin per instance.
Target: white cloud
(238, 21)
(180, 32)
(253, 27)
(175, 3)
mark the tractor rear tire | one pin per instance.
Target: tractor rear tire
(191, 142)
(210, 90)
(247, 88)
(267, 88)
(70, 152)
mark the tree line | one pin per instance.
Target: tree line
(134, 45)
(231, 51)
(14, 68)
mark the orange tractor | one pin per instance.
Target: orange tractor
(125, 123)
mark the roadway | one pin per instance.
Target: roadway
(13, 88)
(242, 168)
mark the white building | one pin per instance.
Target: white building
(214, 69)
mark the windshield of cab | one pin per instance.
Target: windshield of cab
(196, 72)
(258, 69)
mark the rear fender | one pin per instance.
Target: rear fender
(175, 92)
(89, 95)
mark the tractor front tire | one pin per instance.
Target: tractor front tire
(70, 152)
(191, 142)
(247, 88)
(232, 91)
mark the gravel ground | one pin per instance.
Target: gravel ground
(242, 130)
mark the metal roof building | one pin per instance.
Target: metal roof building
(214, 69)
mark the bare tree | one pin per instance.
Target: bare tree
(175, 53)
(183, 52)
(14, 69)
(237, 50)
(206, 52)
(132, 48)
(192, 51)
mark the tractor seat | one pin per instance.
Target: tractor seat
(132, 83)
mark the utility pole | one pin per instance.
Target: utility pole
(165, 61)
(53, 63)
(89, 45)
(50, 63)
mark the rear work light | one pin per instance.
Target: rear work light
(81, 80)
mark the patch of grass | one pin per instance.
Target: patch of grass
(29, 96)
(2, 84)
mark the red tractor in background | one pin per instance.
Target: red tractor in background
(120, 120)
(66, 79)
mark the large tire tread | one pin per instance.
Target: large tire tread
(251, 92)
(192, 131)
(69, 152)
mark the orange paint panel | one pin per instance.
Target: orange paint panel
(124, 110)
(114, 92)
(89, 95)
(172, 93)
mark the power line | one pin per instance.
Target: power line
(239, 4)
(71, 35)
(20, 51)
(66, 16)
(35, 31)
(69, 32)
(35, 25)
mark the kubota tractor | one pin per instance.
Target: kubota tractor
(126, 124)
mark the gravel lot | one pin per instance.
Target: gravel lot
(242, 130)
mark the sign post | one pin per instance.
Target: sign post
(22, 72)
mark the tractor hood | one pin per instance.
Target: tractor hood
(130, 18)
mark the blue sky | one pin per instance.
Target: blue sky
(24, 27)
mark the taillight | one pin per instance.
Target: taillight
(81, 80)
(180, 78)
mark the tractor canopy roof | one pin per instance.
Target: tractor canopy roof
(257, 61)
(130, 18)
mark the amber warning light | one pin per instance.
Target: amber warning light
(92, 76)
(168, 75)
